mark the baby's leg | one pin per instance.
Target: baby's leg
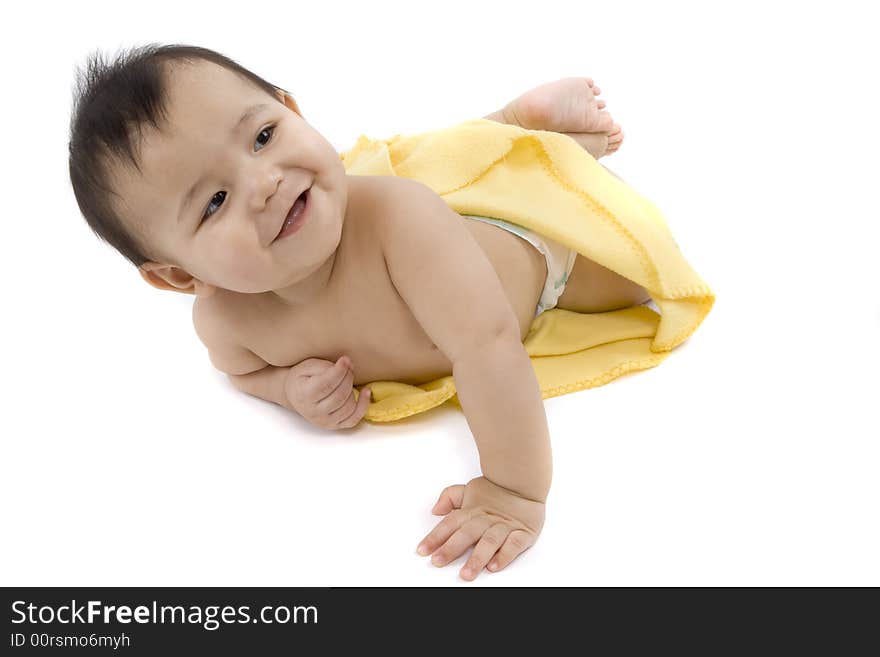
(592, 288)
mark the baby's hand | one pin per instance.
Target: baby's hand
(322, 392)
(500, 520)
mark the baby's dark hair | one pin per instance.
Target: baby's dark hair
(113, 101)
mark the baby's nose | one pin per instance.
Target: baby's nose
(264, 189)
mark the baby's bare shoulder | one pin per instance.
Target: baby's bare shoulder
(375, 204)
(387, 201)
(374, 197)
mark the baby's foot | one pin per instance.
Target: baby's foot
(569, 106)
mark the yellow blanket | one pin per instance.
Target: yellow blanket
(548, 183)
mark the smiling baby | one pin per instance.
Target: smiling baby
(309, 281)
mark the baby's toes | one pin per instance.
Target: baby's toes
(595, 90)
(615, 139)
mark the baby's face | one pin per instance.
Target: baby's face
(244, 178)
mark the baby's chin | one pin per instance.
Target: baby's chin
(230, 285)
(291, 288)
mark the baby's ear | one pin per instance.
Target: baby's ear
(167, 277)
(288, 100)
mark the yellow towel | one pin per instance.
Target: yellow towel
(547, 182)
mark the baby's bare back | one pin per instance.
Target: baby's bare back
(362, 315)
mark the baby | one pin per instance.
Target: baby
(211, 182)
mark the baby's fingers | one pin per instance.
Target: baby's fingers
(485, 550)
(331, 381)
(517, 542)
(450, 498)
(461, 540)
(352, 412)
(437, 537)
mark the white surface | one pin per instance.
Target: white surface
(749, 457)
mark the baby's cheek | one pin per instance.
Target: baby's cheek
(230, 263)
(247, 274)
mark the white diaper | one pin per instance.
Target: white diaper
(560, 260)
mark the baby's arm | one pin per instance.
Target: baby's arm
(455, 294)
(319, 390)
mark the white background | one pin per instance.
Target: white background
(748, 457)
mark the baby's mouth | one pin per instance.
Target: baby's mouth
(296, 212)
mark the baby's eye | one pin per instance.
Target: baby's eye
(214, 199)
(268, 131)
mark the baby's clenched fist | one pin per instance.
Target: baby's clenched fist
(323, 393)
